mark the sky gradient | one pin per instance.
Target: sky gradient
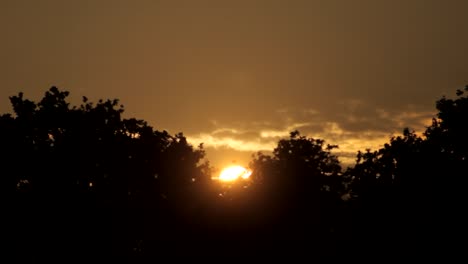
(240, 75)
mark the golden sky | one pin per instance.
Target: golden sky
(239, 75)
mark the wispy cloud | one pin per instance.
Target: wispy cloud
(359, 127)
(280, 133)
(249, 145)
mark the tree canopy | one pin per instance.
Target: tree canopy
(93, 182)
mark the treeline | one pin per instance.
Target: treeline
(82, 181)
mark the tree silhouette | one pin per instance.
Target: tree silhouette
(408, 192)
(302, 186)
(96, 171)
(84, 181)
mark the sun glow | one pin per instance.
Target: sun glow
(234, 173)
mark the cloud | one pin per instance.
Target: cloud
(358, 127)
(358, 116)
(250, 145)
(280, 133)
(310, 111)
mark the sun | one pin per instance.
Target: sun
(233, 173)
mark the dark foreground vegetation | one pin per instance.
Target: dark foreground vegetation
(83, 183)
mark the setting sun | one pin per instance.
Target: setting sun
(233, 173)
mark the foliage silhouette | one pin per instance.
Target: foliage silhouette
(302, 187)
(99, 171)
(87, 182)
(408, 192)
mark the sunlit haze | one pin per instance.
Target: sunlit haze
(238, 75)
(326, 130)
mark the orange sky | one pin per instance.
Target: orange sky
(239, 75)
